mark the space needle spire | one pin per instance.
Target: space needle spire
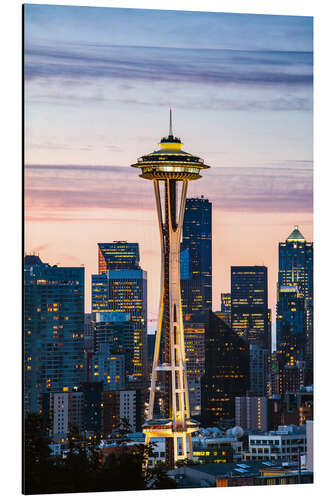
(170, 124)
(170, 169)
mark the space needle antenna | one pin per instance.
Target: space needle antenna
(170, 123)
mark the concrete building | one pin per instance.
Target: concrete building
(288, 444)
(120, 405)
(251, 412)
(62, 413)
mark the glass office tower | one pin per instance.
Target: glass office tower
(53, 329)
(125, 290)
(196, 256)
(118, 255)
(295, 287)
(249, 306)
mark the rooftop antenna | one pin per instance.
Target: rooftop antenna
(170, 123)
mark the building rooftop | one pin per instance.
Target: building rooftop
(241, 469)
(296, 235)
(281, 430)
(32, 260)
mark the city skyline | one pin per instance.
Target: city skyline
(219, 272)
(250, 90)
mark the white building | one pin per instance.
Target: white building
(288, 444)
(309, 445)
(65, 410)
(60, 426)
(128, 407)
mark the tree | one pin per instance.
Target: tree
(37, 460)
(157, 478)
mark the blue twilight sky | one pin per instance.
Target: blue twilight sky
(99, 82)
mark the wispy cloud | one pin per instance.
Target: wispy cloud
(281, 188)
(216, 67)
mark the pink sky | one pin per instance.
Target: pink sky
(69, 238)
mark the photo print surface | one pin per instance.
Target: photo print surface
(168, 276)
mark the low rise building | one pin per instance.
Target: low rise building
(239, 474)
(287, 444)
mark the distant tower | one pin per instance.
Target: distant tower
(196, 256)
(249, 307)
(295, 280)
(169, 167)
(53, 329)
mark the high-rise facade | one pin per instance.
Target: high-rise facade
(249, 306)
(196, 256)
(251, 412)
(226, 306)
(194, 339)
(295, 278)
(296, 263)
(290, 324)
(258, 370)
(227, 365)
(62, 413)
(107, 368)
(125, 291)
(114, 331)
(118, 255)
(121, 406)
(53, 329)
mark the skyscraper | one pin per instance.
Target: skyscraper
(251, 412)
(194, 338)
(196, 256)
(108, 368)
(118, 255)
(227, 363)
(249, 309)
(116, 331)
(125, 291)
(296, 263)
(258, 371)
(290, 323)
(296, 271)
(53, 329)
(225, 312)
(171, 168)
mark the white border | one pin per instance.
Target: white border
(11, 240)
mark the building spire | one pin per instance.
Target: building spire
(296, 235)
(170, 124)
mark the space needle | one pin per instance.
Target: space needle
(171, 169)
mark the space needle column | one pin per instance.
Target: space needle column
(171, 169)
